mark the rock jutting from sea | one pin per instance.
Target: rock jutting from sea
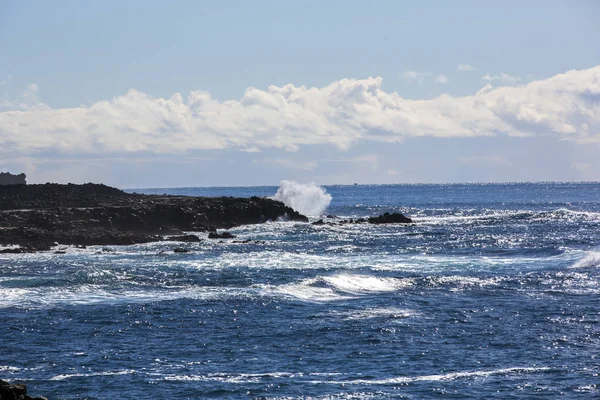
(15, 392)
(39, 216)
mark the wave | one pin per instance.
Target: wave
(389, 313)
(318, 278)
(361, 283)
(493, 216)
(232, 378)
(62, 377)
(338, 287)
(591, 260)
(309, 291)
(257, 377)
(318, 289)
(306, 198)
(98, 295)
(9, 369)
(441, 377)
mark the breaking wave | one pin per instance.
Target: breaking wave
(306, 198)
(443, 377)
(591, 260)
(338, 287)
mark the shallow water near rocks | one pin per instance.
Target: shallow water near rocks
(492, 293)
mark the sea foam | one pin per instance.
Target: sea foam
(306, 198)
(591, 260)
(443, 377)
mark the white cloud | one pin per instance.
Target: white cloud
(502, 77)
(464, 68)
(341, 114)
(441, 79)
(28, 100)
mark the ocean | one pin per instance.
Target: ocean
(493, 293)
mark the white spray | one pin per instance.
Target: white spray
(592, 259)
(306, 198)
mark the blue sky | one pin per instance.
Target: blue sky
(191, 93)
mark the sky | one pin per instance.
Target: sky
(141, 94)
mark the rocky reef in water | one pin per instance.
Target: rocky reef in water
(39, 216)
(387, 218)
(15, 392)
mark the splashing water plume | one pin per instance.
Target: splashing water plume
(591, 260)
(306, 198)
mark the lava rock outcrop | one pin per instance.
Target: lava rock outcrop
(37, 216)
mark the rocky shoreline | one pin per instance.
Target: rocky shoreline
(37, 217)
(15, 392)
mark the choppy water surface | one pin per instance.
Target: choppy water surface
(493, 293)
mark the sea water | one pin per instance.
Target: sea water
(493, 292)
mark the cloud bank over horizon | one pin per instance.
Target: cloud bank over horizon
(341, 114)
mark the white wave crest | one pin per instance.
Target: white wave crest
(92, 294)
(337, 287)
(362, 283)
(232, 378)
(306, 291)
(9, 369)
(591, 260)
(62, 377)
(389, 313)
(441, 377)
(306, 198)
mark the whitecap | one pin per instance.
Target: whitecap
(352, 283)
(232, 378)
(307, 291)
(342, 248)
(92, 294)
(9, 369)
(381, 312)
(591, 260)
(62, 377)
(336, 287)
(440, 377)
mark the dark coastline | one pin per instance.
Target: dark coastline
(15, 391)
(36, 217)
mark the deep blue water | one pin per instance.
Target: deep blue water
(493, 293)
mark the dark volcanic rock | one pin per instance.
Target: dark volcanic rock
(387, 218)
(41, 239)
(15, 392)
(54, 195)
(16, 250)
(6, 178)
(223, 235)
(90, 214)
